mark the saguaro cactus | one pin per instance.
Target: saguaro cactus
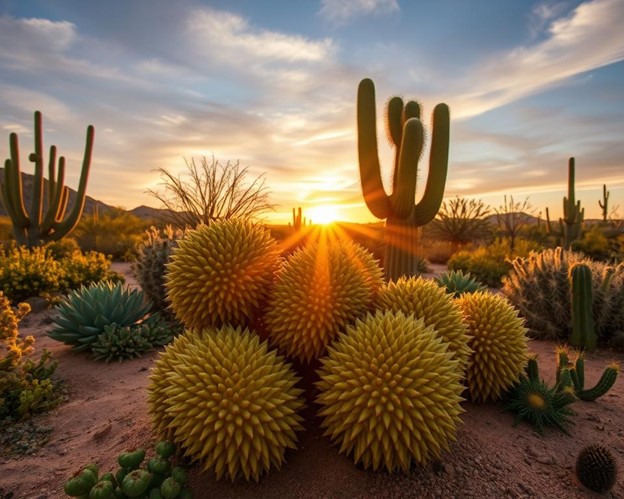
(570, 224)
(298, 221)
(583, 333)
(403, 216)
(604, 204)
(32, 228)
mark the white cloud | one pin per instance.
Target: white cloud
(230, 37)
(340, 11)
(589, 38)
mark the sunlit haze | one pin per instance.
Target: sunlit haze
(273, 84)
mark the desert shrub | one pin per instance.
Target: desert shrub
(25, 386)
(6, 231)
(87, 268)
(539, 286)
(63, 248)
(594, 243)
(490, 264)
(25, 273)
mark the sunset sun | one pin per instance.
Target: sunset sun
(323, 214)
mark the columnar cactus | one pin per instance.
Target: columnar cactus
(32, 228)
(577, 376)
(604, 204)
(406, 132)
(583, 333)
(570, 224)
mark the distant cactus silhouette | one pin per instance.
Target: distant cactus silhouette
(570, 225)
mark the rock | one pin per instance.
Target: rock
(37, 304)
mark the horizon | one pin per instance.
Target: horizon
(273, 85)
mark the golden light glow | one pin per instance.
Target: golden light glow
(323, 214)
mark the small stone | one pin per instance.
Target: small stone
(37, 304)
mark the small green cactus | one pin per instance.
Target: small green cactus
(576, 372)
(596, 468)
(583, 332)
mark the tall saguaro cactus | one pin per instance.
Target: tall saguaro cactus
(604, 204)
(32, 227)
(570, 224)
(403, 216)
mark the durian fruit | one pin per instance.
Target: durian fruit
(430, 302)
(226, 401)
(221, 273)
(390, 392)
(319, 291)
(596, 468)
(499, 344)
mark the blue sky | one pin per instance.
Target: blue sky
(273, 84)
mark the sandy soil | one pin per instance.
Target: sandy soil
(107, 413)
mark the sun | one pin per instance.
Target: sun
(323, 214)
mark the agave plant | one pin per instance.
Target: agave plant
(458, 283)
(86, 312)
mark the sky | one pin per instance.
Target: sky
(273, 85)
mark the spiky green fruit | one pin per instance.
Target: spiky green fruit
(390, 391)
(221, 273)
(596, 468)
(499, 344)
(428, 301)
(319, 291)
(225, 400)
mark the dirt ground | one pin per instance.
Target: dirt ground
(106, 413)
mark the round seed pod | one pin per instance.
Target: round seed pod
(225, 400)
(596, 468)
(390, 392)
(221, 273)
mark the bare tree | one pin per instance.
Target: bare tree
(212, 192)
(512, 217)
(461, 221)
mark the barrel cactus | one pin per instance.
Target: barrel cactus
(149, 268)
(596, 468)
(428, 301)
(221, 274)
(390, 392)
(319, 291)
(498, 339)
(226, 400)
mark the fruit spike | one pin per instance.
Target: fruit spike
(33, 228)
(406, 132)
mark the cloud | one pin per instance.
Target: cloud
(230, 38)
(341, 11)
(587, 39)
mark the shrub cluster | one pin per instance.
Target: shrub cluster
(25, 386)
(43, 271)
(489, 264)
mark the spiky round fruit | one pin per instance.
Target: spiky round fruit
(596, 468)
(499, 344)
(226, 400)
(319, 291)
(390, 391)
(221, 273)
(428, 301)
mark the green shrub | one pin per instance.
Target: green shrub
(25, 386)
(63, 248)
(594, 244)
(85, 269)
(25, 273)
(490, 264)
